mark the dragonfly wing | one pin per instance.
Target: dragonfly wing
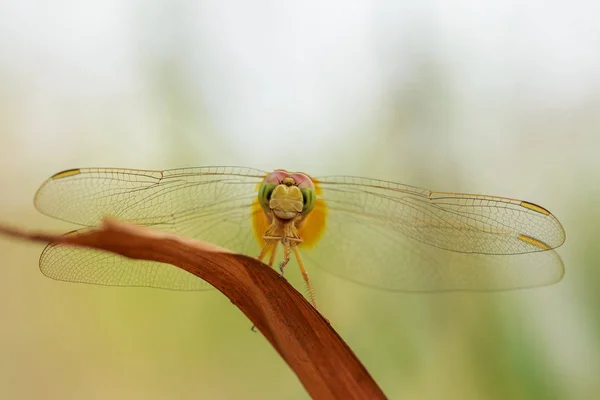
(84, 196)
(75, 264)
(458, 222)
(401, 238)
(212, 204)
(356, 248)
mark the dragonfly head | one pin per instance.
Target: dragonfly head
(287, 194)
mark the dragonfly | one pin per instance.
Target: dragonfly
(377, 233)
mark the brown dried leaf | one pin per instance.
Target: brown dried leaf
(323, 362)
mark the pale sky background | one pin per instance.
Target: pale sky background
(319, 81)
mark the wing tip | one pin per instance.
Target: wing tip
(561, 233)
(59, 175)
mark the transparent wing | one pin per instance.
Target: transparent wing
(403, 238)
(212, 204)
(458, 222)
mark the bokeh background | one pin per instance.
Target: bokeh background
(494, 97)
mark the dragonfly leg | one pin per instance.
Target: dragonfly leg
(286, 256)
(265, 250)
(311, 293)
(273, 253)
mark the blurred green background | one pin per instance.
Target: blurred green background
(495, 97)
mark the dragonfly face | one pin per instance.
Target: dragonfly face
(286, 195)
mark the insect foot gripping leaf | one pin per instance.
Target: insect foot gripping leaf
(325, 365)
